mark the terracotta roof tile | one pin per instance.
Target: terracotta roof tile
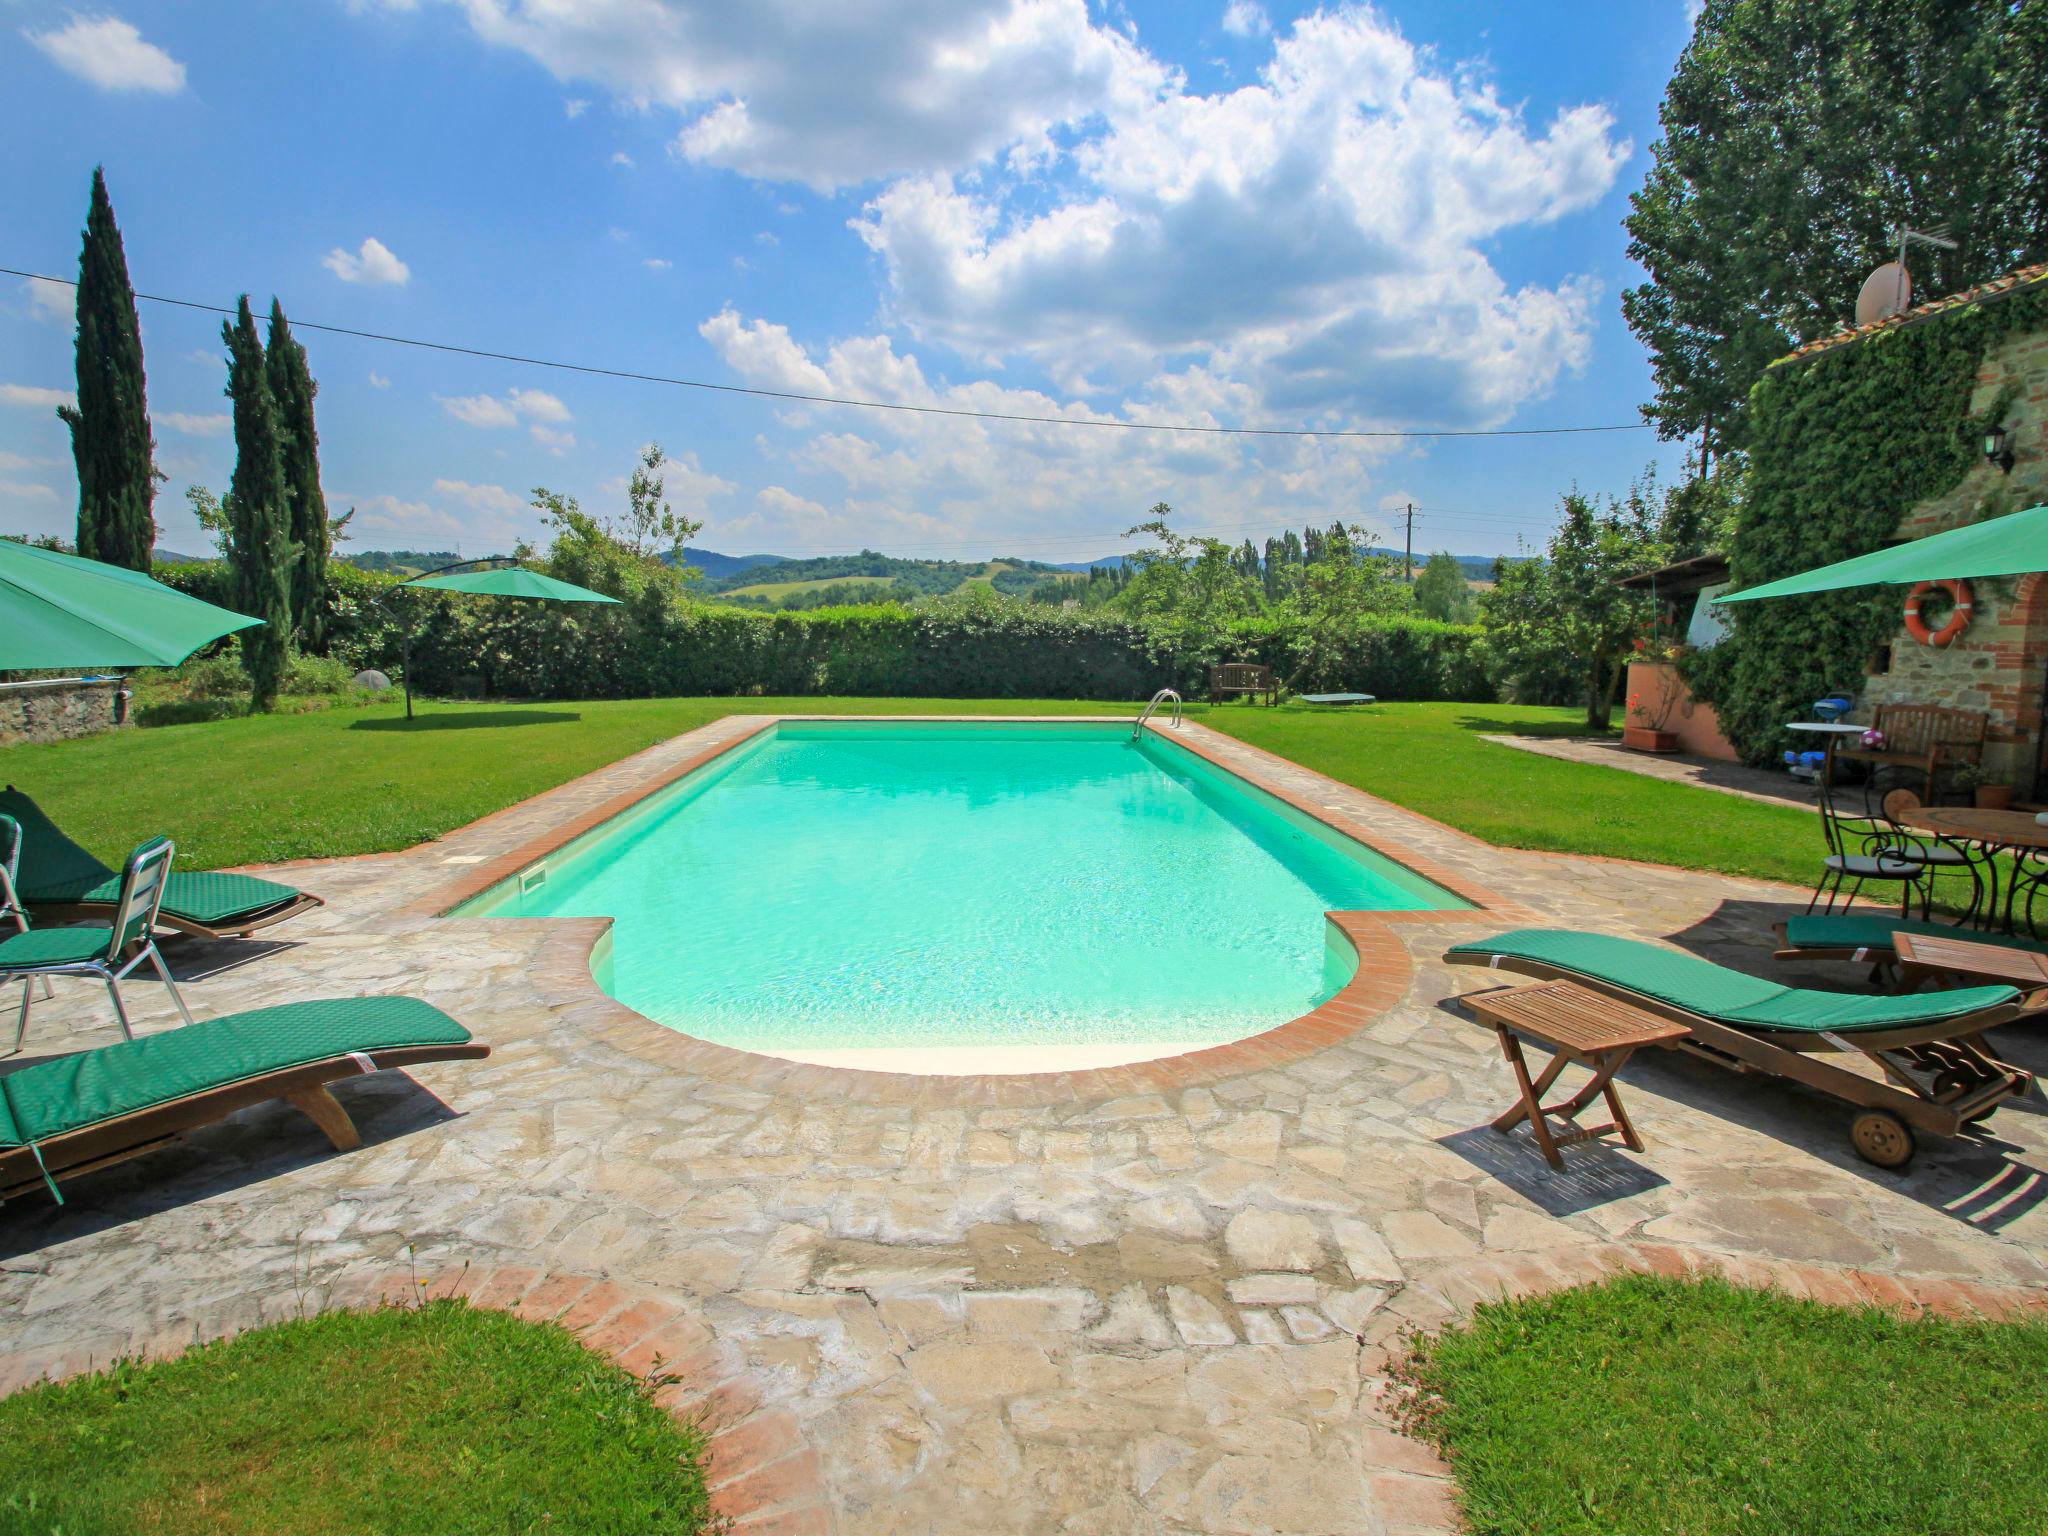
(1997, 288)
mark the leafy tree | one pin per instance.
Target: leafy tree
(1338, 590)
(110, 439)
(634, 558)
(1192, 589)
(1563, 616)
(1442, 592)
(258, 509)
(1797, 138)
(292, 388)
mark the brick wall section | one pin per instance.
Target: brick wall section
(1999, 663)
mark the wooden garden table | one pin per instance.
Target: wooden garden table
(1575, 1024)
(1933, 957)
(2012, 832)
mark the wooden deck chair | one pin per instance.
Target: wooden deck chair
(1937, 1073)
(62, 881)
(67, 1116)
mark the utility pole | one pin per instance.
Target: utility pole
(1409, 561)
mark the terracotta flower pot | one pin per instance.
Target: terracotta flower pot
(1994, 797)
(1641, 738)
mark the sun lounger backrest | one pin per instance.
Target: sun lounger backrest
(142, 892)
(53, 867)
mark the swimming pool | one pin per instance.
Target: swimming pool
(939, 896)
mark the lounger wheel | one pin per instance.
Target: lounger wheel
(1881, 1137)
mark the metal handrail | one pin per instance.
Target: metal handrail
(1153, 708)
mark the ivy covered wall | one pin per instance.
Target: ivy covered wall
(1848, 447)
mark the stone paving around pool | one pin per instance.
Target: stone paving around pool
(1133, 1303)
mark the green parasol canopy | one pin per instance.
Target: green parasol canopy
(512, 581)
(2014, 545)
(60, 610)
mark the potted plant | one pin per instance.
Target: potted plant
(1644, 729)
(1984, 794)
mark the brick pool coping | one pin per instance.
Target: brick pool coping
(765, 1479)
(1385, 969)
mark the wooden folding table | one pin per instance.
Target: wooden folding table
(1576, 1025)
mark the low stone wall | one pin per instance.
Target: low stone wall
(62, 708)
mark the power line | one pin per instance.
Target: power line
(866, 405)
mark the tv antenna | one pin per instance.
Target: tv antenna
(1889, 290)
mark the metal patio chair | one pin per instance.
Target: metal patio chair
(1861, 850)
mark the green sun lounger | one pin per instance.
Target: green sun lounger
(1867, 937)
(69, 1115)
(62, 882)
(1936, 1073)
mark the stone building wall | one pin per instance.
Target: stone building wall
(62, 710)
(2000, 663)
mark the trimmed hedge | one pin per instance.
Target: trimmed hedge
(654, 645)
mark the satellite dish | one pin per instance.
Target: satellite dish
(1887, 291)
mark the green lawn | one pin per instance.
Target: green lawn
(362, 780)
(432, 1422)
(1648, 1406)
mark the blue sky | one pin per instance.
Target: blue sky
(1399, 217)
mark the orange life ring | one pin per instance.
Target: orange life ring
(1958, 618)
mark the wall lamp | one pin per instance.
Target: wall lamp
(1998, 449)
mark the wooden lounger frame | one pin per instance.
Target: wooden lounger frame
(244, 925)
(305, 1087)
(1966, 1082)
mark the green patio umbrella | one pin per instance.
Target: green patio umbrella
(59, 610)
(2014, 545)
(508, 581)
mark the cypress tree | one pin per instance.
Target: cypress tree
(292, 388)
(110, 439)
(258, 507)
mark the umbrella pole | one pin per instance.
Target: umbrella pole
(406, 664)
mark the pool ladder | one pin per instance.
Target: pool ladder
(1163, 696)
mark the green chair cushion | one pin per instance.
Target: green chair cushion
(1728, 997)
(55, 870)
(1856, 930)
(54, 1097)
(206, 896)
(53, 946)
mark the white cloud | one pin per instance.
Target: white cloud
(836, 95)
(617, 235)
(406, 524)
(765, 237)
(574, 107)
(925, 483)
(1321, 235)
(539, 405)
(479, 410)
(195, 426)
(480, 498)
(622, 159)
(372, 264)
(21, 461)
(18, 490)
(108, 52)
(555, 440)
(378, 381)
(657, 263)
(1246, 18)
(48, 300)
(31, 397)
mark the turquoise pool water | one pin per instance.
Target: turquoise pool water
(872, 885)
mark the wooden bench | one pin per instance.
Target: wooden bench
(1231, 678)
(1925, 737)
(1575, 1024)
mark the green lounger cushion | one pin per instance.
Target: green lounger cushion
(54, 1097)
(1725, 996)
(52, 946)
(56, 870)
(1856, 930)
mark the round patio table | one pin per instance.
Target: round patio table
(2012, 832)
